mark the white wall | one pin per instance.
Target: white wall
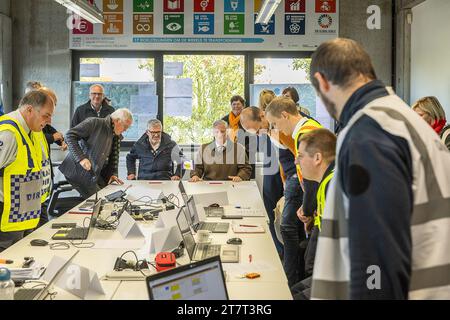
(430, 52)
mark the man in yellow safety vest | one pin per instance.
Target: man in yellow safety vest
(21, 166)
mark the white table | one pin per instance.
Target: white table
(271, 285)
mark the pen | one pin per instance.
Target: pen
(247, 225)
(250, 258)
(6, 261)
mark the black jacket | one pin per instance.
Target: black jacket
(92, 139)
(85, 111)
(310, 253)
(153, 165)
(376, 176)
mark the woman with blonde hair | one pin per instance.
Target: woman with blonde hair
(430, 109)
(265, 97)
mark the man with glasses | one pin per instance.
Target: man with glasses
(159, 156)
(97, 106)
(21, 167)
(94, 146)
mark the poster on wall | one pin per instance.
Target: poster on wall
(297, 25)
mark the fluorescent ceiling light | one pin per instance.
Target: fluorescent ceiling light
(84, 9)
(267, 10)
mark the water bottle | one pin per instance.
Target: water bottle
(6, 285)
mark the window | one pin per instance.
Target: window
(278, 73)
(128, 82)
(197, 92)
(117, 70)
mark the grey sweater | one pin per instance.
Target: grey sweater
(213, 165)
(92, 139)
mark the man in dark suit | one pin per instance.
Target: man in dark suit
(97, 106)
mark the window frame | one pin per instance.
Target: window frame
(158, 56)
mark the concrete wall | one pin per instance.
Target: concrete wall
(40, 48)
(430, 49)
(5, 7)
(5, 55)
(353, 17)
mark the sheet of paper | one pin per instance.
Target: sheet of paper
(178, 88)
(178, 107)
(141, 105)
(173, 69)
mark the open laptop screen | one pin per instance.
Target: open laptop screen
(202, 280)
(185, 230)
(192, 211)
(183, 192)
(95, 214)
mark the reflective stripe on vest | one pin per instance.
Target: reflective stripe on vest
(321, 200)
(42, 152)
(306, 127)
(21, 182)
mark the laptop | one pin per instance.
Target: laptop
(196, 224)
(202, 280)
(40, 294)
(80, 233)
(201, 251)
(183, 192)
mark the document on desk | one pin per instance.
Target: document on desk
(242, 211)
(27, 273)
(119, 244)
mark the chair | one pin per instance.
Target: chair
(59, 205)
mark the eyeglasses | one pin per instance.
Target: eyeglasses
(96, 93)
(154, 133)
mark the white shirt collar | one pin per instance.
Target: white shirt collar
(298, 127)
(99, 109)
(18, 116)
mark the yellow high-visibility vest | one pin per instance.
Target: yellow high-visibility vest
(306, 127)
(42, 152)
(21, 182)
(321, 200)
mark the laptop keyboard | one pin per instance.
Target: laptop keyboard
(217, 227)
(208, 226)
(26, 294)
(209, 250)
(214, 212)
(78, 233)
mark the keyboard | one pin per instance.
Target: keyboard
(209, 250)
(208, 226)
(26, 294)
(78, 233)
(214, 212)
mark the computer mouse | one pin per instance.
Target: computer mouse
(214, 205)
(234, 241)
(38, 243)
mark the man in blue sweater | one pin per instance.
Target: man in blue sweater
(157, 154)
